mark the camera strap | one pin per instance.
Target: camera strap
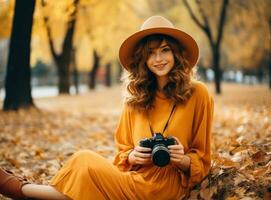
(166, 125)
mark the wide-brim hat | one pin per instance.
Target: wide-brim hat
(158, 25)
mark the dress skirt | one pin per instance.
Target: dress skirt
(89, 176)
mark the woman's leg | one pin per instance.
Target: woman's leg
(18, 188)
(87, 175)
(42, 192)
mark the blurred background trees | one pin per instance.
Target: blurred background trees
(214, 36)
(75, 43)
(64, 58)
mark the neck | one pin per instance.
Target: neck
(161, 81)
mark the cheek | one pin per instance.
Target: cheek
(149, 63)
(172, 61)
(172, 58)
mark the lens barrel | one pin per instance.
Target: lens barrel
(160, 155)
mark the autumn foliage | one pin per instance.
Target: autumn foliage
(35, 143)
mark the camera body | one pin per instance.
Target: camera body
(158, 143)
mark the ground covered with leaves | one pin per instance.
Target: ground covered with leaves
(35, 143)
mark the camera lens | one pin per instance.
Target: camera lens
(160, 155)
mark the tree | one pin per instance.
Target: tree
(17, 82)
(106, 33)
(268, 51)
(63, 59)
(108, 81)
(93, 72)
(248, 36)
(215, 43)
(75, 72)
(269, 66)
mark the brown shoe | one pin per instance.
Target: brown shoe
(11, 185)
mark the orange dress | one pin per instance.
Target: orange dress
(87, 175)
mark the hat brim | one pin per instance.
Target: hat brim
(191, 49)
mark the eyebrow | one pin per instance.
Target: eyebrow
(166, 45)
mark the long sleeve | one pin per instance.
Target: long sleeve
(200, 148)
(123, 140)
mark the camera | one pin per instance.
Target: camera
(158, 143)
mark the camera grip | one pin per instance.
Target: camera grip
(144, 143)
(171, 141)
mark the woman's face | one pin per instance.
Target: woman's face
(160, 60)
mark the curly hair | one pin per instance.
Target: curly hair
(141, 82)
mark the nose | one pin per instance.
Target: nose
(158, 57)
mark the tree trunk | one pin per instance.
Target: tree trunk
(217, 70)
(75, 72)
(108, 81)
(215, 43)
(63, 60)
(63, 72)
(260, 75)
(93, 72)
(18, 78)
(269, 67)
(120, 70)
(75, 75)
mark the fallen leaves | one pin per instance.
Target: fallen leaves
(241, 147)
(36, 143)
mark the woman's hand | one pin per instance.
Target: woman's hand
(177, 156)
(140, 156)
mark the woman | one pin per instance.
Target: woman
(163, 100)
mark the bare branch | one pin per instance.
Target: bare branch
(196, 20)
(207, 27)
(67, 41)
(222, 21)
(48, 30)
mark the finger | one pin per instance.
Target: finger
(142, 155)
(177, 156)
(142, 149)
(176, 146)
(179, 148)
(174, 160)
(142, 160)
(177, 151)
(177, 140)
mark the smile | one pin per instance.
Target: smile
(161, 66)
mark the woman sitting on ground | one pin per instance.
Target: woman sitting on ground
(164, 105)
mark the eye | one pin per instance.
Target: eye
(166, 49)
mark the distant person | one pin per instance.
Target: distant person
(163, 136)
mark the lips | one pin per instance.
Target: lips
(160, 66)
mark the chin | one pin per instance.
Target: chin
(161, 73)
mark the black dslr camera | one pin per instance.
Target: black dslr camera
(158, 144)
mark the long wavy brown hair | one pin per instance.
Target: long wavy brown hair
(141, 82)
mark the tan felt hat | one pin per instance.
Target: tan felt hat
(158, 25)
